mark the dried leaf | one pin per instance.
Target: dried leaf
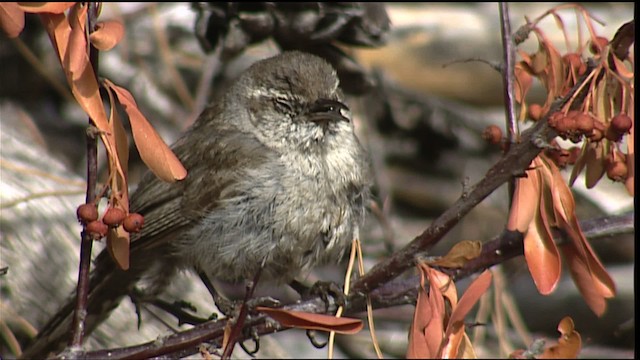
(556, 70)
(459, 254)
(11, 19)
(455, 329)
(523, 82)
(119, 133)
(594, 159)
(579, 165)
(631, 162)
(466, 350)
(76, 59)
(84, 87)
(46, 7)
(526, 193)
(153, 151)
(58, 28)
(601, 279)
(569, 343)
(427, 327)
(118, 245)
(622, 69)
(304, 320)
(540, 251)
(107, 34)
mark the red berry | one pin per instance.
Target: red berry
(584, 123)
(600, 43)
(113, 217)
(133, 222)
(97, 229)
(621, 123)
(492, 134)
(87, 213)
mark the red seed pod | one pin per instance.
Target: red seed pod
(87, 213)
(572, 59)
(97, 229)
(133, 222)
(114, 217)
(535, 112)
(598, 45)
(584, 123)
(621, 123)
(617, 170)
(492, 134)
(598, 131)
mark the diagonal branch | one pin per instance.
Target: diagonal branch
(513, 163)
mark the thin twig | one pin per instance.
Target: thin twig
(86, 244)
(392, 293)
(508, 83)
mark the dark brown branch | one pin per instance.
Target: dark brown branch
(508, 81)
(92, 171)
(513, 163)
(396, 292)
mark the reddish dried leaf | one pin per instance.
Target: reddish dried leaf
(523, 82)
(621, 69)
(631, 162)
(459, 254)
(118, 246)
(579, 165)
(304, 320)
(473, 293)
(526, 194)
(119, 133)
(153, 151)
(445, 285)
(76, 59)
(46, 7)
(569, 343)
(11, 19)
(107, 34)
(83, 85)
(58, 28)
(594, 159)
(427, 327)
(539, 61)
(540, 251)
(455, 333)
(601, 279)
(119, 184)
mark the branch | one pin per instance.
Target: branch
(396, 292)
(513, 163)
(86, 244)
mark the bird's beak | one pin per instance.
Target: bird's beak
(325, 110)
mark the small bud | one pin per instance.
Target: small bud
(598, 45)
(535, 112)
(584, 123)
(97, 229)
(133, 222)
(616, 170)
(621, 123)
(492, 134)
(87, 213)
(113, 217)
(598, 131)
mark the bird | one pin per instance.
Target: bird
(277, 182)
